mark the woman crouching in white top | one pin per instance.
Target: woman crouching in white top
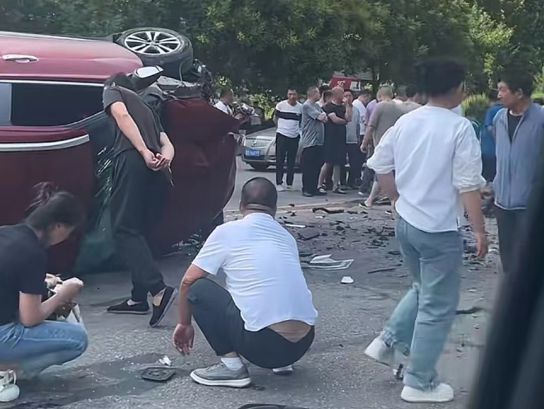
(265, 313)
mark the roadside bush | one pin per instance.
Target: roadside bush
(475, 107)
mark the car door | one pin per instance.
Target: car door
(36, 146)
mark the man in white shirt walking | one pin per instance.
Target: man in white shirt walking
(288, 115)
(265, 313)
(429, 164)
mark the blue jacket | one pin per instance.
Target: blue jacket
(517, 161)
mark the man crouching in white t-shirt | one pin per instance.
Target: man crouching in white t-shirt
(265, 314)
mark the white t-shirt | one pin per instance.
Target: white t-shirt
(289, 118)
(436, 156)
(362, 115)
(224, 107)
(263, 274)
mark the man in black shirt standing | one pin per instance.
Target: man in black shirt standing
(335, 139)
(143, 154)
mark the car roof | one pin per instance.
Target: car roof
(45, 57)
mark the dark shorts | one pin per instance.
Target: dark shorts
(334, 151)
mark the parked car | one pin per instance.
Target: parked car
(259, 150)
(52, 128)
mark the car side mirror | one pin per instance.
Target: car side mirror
(145, 76)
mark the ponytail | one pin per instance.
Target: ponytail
(50, 206)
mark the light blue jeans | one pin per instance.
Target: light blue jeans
(34, 349)
(421, 322)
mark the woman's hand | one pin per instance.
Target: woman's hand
(69, 289)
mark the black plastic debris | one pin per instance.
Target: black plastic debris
(158, 374)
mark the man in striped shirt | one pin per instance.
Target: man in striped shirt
(287, 116)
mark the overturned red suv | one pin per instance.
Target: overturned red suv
(53, 128)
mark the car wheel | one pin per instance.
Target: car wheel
(259, 167)
(159, 46)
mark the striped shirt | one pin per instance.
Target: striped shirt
(289, 118)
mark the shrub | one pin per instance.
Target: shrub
(475, 107)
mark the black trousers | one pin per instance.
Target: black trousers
(219, 319)
(286, 148)
(355, 158)
(311, 162)
(509, 223)
(136, 205)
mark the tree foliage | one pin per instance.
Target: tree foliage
(269, 45)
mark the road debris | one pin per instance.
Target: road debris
(347, 280)
(326, 262)
(332, 210)
(165, 361)
(308, 233)
(295, 226)
(381, 270)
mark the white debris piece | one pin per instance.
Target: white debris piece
(165, 361)
(347, 280)
(326, 262)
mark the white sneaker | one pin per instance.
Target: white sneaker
(8, 390)
(286, 370)
(442, 393)
(380, 352)
(289, 188)
(280, 188)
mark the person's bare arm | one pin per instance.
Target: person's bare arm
(349, 113)
(367, 140)
(337, 120)
(472, 202)
(388, 185)
(184, 332)
(127, 125)
(32, 311)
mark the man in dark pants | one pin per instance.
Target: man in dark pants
(519, 137)
(288, 115)
(265, 313)
(353, 143)
(312, 140)
(142, 154)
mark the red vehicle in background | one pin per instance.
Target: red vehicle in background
(355, 82)
(52, 128)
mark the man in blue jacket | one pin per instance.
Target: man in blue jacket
(519, 136)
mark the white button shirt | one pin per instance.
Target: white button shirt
(436, 156)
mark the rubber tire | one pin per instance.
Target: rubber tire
(173, 63)
(259, 167)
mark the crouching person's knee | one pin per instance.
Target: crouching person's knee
(80, 340)
(199, 290)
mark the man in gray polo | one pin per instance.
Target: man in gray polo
(519, 136)
(312, 140)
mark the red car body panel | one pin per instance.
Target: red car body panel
(28, 157)
(62, 59)
(204, 167)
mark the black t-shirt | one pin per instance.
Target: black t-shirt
(334, 131)
(148, 123)
(513, 122)
(23, 261)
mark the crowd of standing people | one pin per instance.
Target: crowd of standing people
(332, 128)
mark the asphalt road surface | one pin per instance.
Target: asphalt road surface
(245, 172)
(335, 374)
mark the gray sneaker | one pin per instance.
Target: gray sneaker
(220, 375)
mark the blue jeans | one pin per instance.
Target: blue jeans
(34, 349)
(421, 322)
